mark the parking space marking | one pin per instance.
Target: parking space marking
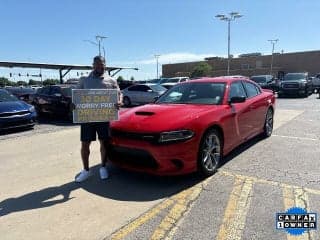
(123, 232)
(181, 204)
(269, 182)
(297, 138)
(236, 211)
(297, 197)
(284, 116)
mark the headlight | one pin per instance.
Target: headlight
(31, 109)
(175, 136)
(303, 83)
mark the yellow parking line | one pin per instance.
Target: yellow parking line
(180, 202)
(296, 197)
(166, 228)
(269, 182)
(141, 220)
(236, 211)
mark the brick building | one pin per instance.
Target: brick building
(252, 65)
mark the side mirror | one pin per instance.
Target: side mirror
(239, 99)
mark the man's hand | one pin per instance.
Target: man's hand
(118, 105)
(72, 106)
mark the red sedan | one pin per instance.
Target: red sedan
(191, 126)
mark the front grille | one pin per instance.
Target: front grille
(9, 114)
(149, 137)
(291, 85)
(19, 123)
(132, 157)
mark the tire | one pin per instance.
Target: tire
(210, 153)
(126, 101)
(268, 124)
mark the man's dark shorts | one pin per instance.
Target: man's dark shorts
(89, 131)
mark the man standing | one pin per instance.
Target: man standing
(97, 79)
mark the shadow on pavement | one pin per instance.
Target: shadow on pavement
(121, 185)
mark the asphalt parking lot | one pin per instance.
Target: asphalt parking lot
(39, 199)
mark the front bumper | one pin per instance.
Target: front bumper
(27, 120)
(158, 159)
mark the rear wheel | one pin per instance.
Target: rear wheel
(210, 153)
(268, 124)
(126, 101)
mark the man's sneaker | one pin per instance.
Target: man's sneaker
(103, 173)
(82, 176)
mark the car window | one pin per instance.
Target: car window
(194, 93)
(236, 90)
(135, 88)
(158, 88)
(66, 91)
(44, 90)
(251, 89)
(5, 96)
(55, 90)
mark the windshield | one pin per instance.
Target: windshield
(173, 80)
(194, 93)
(157, 88)
(5, 96)
(294, 76)
(66, 92)
(259, 79)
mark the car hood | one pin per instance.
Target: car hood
(160, 117)
(13, 106)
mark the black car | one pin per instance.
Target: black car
(54, 100)
(295, 84)
(23, 93)
(265, 81)
(15, 113)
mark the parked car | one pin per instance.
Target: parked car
(170, 82)
(141, 93)
(15, 113)
(265, 81)
(191, 126)
(295, 84)
(23, 93)
(55, 100)
(316, 83)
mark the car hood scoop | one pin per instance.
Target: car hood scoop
(144, 113)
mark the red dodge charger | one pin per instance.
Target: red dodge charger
(191, 126)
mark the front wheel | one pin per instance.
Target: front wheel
(268, 124)
(210, 153)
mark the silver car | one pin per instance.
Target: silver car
(141, 93)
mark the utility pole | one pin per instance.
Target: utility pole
(157, 59)
(98, 43)
(273, 42)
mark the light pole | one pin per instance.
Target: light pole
(232, 16)
(157, 59)
(273, 42)
(99, 39)
(98, 43)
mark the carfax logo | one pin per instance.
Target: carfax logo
(296, 221)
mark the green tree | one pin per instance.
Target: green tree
(6, 82)
(50, 81)
(201, 70)
(120, 78)
(34, 82)
(21, 83)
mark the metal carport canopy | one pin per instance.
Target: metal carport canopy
(60, 67)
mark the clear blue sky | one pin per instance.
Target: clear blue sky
(179, 30)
